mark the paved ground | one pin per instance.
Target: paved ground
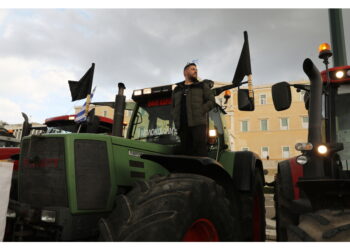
(270, 213)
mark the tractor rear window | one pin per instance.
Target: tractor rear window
(154, 123)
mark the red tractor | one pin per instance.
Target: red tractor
(8, 144)
(312, 191)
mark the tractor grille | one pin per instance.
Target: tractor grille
(42, 174)
(91, 174)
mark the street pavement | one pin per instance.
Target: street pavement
(270, 222)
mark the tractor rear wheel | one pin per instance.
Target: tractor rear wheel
(284, 214)
(323, 225)
(177, 207)
(253, 211)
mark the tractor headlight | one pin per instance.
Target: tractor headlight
(147, 91)
(138, 92)
(302, 159)
(322, 149)
(48, 216)
(212, 133)
(339, 74)
(303, 146)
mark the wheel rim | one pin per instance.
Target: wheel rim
(201, 230)
(256, 219)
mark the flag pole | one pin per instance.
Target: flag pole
(250, 85)
(86, 109)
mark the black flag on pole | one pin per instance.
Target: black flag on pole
(79, 90)
(243, 67)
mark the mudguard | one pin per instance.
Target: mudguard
(195, 165)
(290, 172)
(245, 163)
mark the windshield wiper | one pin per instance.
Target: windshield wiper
(148, 137)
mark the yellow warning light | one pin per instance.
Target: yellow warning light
(323, 47)
(227, 93)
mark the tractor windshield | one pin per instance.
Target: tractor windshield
(154, 123)
(342, 104)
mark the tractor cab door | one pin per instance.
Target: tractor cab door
(342, 119)
(217, 134)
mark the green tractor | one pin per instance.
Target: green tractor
(138, 187)
(312, 192)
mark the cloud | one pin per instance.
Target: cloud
(33, 85)
(3, 14)
(10, 112)
(43, 48)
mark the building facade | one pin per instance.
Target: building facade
(265, 131)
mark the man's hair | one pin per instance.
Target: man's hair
(189, 64)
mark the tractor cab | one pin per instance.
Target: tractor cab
(66, 124)
(339, 80)
(152, 120)
(7, 139)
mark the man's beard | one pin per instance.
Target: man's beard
(193, 79)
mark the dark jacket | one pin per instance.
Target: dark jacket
(199, 101)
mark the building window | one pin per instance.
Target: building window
(285, 152)
(263, 125)
(263, 99)
(245, 149)
(265, 152)
(105, 113)
(284, 123)
(244, 126)
(305, 121)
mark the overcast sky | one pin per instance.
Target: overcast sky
(41, 49)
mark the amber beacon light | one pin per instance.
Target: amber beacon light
(324, 46)
(325, 51)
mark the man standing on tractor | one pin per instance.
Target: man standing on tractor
(192, 100)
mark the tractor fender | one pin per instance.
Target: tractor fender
(245, 163)
(290, 172)
(204, 166)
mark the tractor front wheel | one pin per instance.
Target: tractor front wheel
(323, 225)
(177, 207)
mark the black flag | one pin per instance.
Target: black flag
(79, 90)
(243, 67)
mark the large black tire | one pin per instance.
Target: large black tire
(284, 215)
(253, 211)
(166, 207)
(323, 225)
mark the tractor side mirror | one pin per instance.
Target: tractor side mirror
(245, 103)
(281, 95)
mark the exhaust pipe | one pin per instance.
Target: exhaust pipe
(315, 168)
(119, 108)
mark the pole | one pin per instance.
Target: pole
(250, 86)
(337, 37)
